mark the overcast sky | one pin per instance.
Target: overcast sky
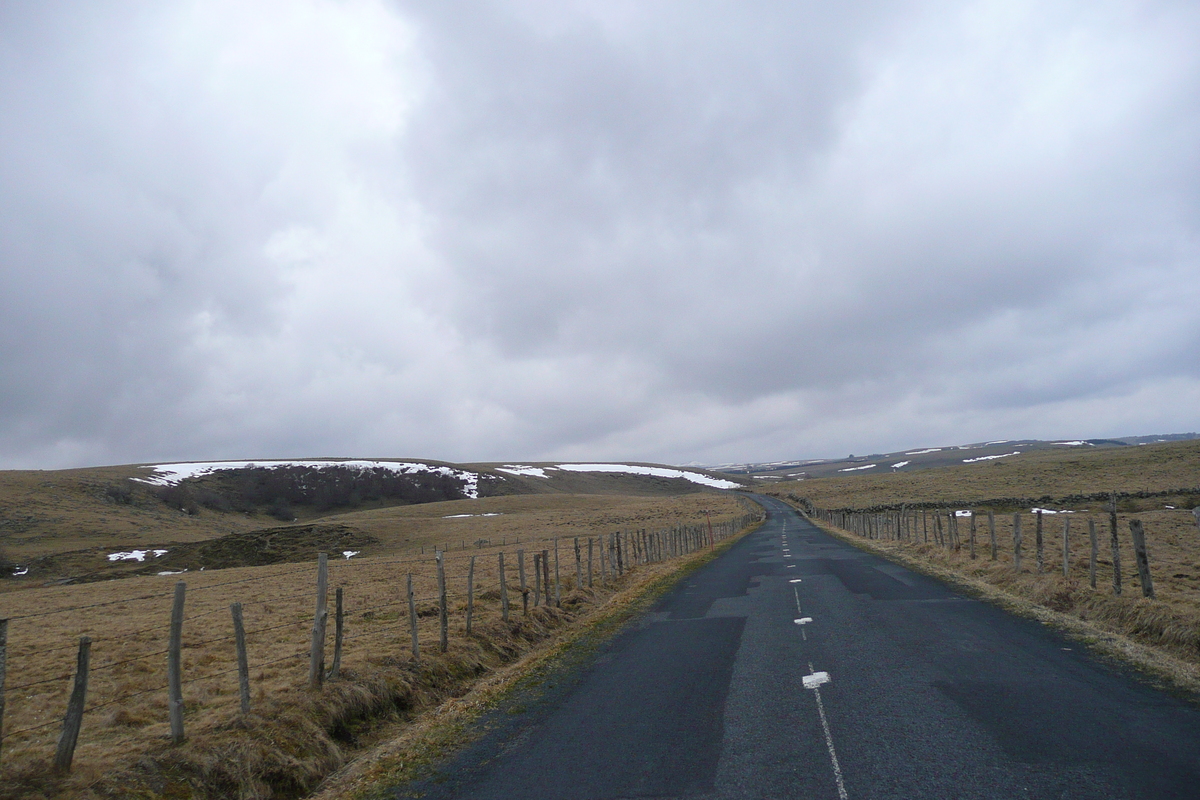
(664, 231)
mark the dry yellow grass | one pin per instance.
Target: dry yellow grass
(127, 620)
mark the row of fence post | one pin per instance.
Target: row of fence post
(904, 525)
(617, 553)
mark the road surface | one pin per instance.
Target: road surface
(796, 666)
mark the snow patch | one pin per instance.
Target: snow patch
(21, 571)
(171, 474)
(964, 513)
(350, 553)
(854, 469)
(900, 464)
(658, 472)
(135, 555)
(1049, 511)
(464, 516)
(923, 452)
(518, 469)
(1070, 444)
(989, 458)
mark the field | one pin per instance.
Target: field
(1158, 485)
(294, 736)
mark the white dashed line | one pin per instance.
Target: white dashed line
(813, 681)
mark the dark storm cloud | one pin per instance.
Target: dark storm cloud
(666, 231)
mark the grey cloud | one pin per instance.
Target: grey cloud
(671, 231)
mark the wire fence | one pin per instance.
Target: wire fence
(194, 663)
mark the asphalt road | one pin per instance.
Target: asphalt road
(893, 687)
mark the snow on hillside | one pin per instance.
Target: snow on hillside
(658, 472)
(171, 474)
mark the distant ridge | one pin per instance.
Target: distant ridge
(927, 457)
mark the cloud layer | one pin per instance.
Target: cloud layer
(657, 231)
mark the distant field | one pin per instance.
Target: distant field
(1167, 468)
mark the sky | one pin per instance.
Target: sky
(678, 232)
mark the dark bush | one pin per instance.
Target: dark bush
(119, 493)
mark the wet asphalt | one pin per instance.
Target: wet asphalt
(894, 686)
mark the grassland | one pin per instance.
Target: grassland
(293, 737)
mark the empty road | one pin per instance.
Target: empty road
(796, 666)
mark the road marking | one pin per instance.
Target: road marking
(813, 682)
(791, 566)
(803, 620)
(795, 580)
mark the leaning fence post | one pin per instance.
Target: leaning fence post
(338, 630)
(1116, 545)
(316, 653)
(239, 640)
(74, 718)
(1143, 560)
(470, 593)
(3, 671)
(1017, 541)
(443, 622)
(175, 666)
(503, 591)
(412, 621)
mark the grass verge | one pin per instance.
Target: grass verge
(412, 750)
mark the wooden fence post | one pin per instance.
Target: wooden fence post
(443, 619)
(470, 593)
(1116, 545)
(1041, 556)
(537, 579)
(412, 621)
(992, 533)
(338, 632)
(546, 574)
(589, 580)
(557, 581)
(316, 653)
(175, 665)
(1143, 560)
(578, 566)
(503, 591)
(3, 673)
(1066, 546)
(972, 534)
(74, 718)
(524, 584)
(1017, 541)
(243, 661)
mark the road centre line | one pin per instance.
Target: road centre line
(813, 681)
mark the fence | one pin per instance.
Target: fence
(164, 662)
(1048, 537)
